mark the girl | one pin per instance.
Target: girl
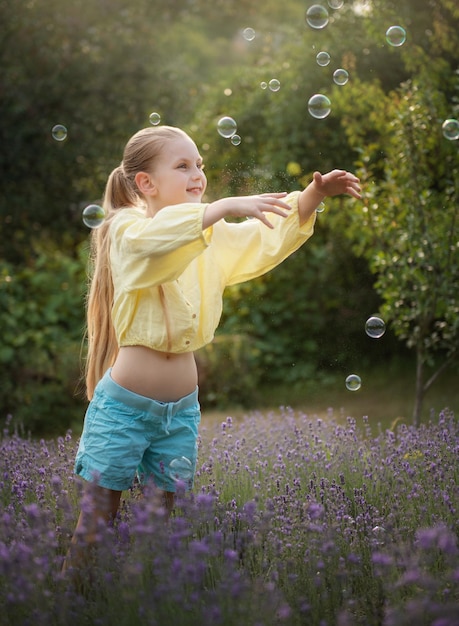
(161, 261)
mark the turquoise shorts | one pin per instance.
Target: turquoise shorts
(125, 433)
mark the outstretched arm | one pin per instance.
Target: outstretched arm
(334, 183)
(246, 206)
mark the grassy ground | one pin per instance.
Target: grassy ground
(386, 396)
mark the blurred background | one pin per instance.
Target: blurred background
(100, 69)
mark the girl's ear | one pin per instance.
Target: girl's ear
(144, 184)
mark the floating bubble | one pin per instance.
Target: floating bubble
(395, 36)
(236, 140)
(320, 208)
(317, 16)
(375, 327)
(340, 76)
(59, 132)
(335, 4)
(450, 128)
(319, 106)
(155, 118)
(274, 84)
(93, 216)
(226, 127)
(353, 382)
(263, 85)
(181, 469)
(323, 58)
(248, 34)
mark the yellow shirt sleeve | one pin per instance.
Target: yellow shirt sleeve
(148, 251)
(249, 249)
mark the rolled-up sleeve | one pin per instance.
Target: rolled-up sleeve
(249, 249)
(148, 251)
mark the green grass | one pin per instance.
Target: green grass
(386, 396)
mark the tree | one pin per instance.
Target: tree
(407, 227)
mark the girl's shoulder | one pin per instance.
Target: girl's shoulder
(129, 213)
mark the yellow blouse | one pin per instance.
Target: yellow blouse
(169, 275)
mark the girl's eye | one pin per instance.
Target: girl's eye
(201, 166)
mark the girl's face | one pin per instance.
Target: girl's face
(178, 174)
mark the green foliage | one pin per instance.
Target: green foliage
(229, 371)
(301, 315)
(407, 228)
(40, 316)
(100, 68)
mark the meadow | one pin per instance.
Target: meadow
(293, 519)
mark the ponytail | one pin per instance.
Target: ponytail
(101, 338)
(121, 191)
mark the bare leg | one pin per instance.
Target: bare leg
(103, 505)
(168, 500)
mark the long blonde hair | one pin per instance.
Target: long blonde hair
(121, 191)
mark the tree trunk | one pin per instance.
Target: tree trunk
(419, 389)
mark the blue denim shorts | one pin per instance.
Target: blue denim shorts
(125, 433)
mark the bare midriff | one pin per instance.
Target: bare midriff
(162, 376)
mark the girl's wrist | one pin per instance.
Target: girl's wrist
(317, 192)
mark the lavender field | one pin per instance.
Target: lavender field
(293, 520)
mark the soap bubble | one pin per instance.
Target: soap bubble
(335, 4)
(320, 208)
(450, 128)
(248, 34)
(317, 16)
(93, 216)
(181, 469)
(375, 327)
(353, 382)
(395, 36)
(263, 84)
(155, 118)
(319, 106)
(274, 84)
(340, 76)
(59, 132)
(236, 140)
(323, 59)
(226, 127)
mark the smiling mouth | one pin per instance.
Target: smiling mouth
(195, 190)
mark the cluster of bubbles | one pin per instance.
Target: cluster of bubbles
(317, 17)
(375, 328)
(227, 128)
(181, 469)
(274, 84)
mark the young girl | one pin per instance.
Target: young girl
(161, 261)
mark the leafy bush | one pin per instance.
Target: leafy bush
(41, 314)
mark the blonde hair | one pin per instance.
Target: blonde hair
(121, 191)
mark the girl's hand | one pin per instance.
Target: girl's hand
(337, 182)
(247, 206)
(257, 206)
